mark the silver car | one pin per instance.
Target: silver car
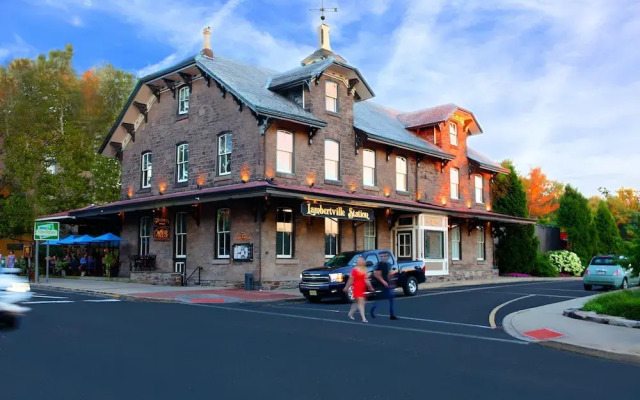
(13, 290)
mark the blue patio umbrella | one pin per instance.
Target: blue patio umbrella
(86, 239)
(68, 240)
(110, 239)
(51, 242)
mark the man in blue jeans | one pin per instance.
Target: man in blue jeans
(383, 274)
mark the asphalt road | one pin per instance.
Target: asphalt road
(82, 347)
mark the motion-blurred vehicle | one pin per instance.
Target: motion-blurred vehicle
(613, 272)
(13, 290)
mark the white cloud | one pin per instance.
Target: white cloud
(76, 21)
(16, 49)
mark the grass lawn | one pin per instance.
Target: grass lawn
(623, 303)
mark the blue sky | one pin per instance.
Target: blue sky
(553, 83)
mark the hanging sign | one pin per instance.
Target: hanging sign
(337, 211)
(46, 231)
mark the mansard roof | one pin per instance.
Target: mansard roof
(435, 115)
(381, 124)
(485, 162)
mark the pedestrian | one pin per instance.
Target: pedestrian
(11, 259)
(83, 264)
(387, 278)
(358, 279)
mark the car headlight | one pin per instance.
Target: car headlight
(336, 277)
(300, 276)
(19, 287)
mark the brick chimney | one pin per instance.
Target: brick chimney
(206, 48)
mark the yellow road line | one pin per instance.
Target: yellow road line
(492, 316)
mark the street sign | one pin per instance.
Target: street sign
(46, 231)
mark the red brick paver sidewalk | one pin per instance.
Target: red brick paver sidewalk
(205, 296)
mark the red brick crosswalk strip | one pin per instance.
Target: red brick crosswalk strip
(543, 334)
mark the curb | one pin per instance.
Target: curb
(600, 319)
(609, 355)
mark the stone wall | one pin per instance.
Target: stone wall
(156, 278)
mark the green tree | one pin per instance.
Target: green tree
(574, 216)
(517, 245)
(607, 231)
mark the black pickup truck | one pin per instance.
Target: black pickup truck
(329, 280)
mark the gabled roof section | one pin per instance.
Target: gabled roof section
(485, 162)
(299, 74)
(436, 115)
(308, 71)
(380, 124)
(249, 84)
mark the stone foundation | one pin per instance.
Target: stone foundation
(464, 275)
(157, 278)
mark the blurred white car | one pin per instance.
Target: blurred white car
(13, 289)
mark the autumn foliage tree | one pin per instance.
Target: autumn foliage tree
(542, 194)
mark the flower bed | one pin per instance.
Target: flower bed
(623, 303)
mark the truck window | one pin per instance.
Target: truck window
(391, 260)
(373, 258)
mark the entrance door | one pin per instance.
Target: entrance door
(404, 245)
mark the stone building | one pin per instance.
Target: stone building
(229, 169)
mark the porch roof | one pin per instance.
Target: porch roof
(262, 188)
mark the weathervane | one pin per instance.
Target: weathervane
(322, 10)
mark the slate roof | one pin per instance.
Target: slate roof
(249, 84)
(381, 124)
(300, 73)
(485, 162)
(428, 116)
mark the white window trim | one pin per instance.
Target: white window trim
(337, 177)
(337, 222)
(481, 193)
(223, 152)
(327, 97)
(481, 238)
(369, 236)
(289, 152)
(181, 256)
(183, 100)
(401, 246)
(148, 172)
(454, 172)
(372, 168)
(455, 244)
(290, 255)
(453, 133)
(220, 233)
(402, 175)
(147, 237)
(184, 148)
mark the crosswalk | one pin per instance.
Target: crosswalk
(38, 298)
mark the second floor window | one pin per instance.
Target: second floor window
(331, 96)
(453, 133)
(369, 167)
(284, 233)
(182, 161)
(224, 154)
(454, 182)
(145, 234)
(401, 174)
(224, 233)
(479, 187)
(147, 167)
(284, 157)
(183, 100)
(331, 160)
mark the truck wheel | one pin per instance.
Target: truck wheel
(587, 287)
(410, 288)
(348, 297)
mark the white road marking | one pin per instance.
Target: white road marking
(476, 289)
(399, 316)
(102, 301)
(49, 297)
(48, 302)
(565, 290)
(398, 328)
(492, 316)
(538, 294)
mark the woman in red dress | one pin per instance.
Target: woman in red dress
(358, 278)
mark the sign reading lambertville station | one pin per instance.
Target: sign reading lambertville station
(336, 211)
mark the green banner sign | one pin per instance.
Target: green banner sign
(46, 231)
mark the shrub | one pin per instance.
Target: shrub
(544, 267)
(566, 261)
(623, 303)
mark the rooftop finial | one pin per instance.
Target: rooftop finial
(322, 10)
(206, 48)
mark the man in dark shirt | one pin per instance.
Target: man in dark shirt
(386, 277)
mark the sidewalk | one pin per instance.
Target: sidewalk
(547, 326)
(203, 294)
